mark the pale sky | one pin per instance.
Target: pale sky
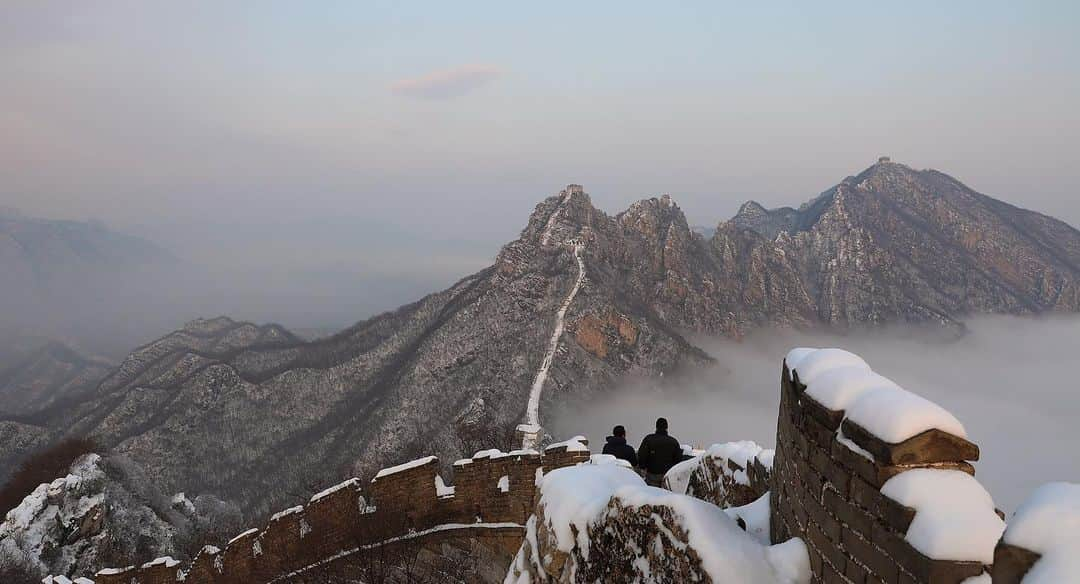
(392, 136)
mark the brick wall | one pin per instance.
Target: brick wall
(829, 495)
(493, 488)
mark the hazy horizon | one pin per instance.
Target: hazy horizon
(404, 143)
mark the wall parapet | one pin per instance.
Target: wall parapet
(493, 491)
(828, 477)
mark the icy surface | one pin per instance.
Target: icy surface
(404, 466)
(954, 515)
(1048, 523)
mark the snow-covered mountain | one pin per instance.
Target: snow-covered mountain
(580, 300)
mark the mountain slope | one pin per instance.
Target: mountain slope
(580, 300)
(895, 244)
(254, 414)
(52, 373)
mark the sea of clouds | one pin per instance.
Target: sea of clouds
(1009, 380)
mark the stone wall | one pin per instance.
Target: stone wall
(829, 495)
(492, 493)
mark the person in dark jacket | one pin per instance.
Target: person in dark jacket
(658, 453)
(616, 446)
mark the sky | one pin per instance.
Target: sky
(350, 142)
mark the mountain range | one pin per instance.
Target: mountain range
(581, 300)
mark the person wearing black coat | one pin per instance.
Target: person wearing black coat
(616, 446)
(658, 453)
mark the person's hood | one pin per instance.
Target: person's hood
(616, 440)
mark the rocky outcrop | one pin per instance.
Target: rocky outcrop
(599, 522)
(102, 512)
(732, 474)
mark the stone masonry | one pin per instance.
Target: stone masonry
(493, 493)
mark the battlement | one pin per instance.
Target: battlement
(493, 490)
(862, 472)
(574, 190)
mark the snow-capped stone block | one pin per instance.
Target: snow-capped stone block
(807, 364)
(1042, 542)
(955, 518)
(352, 483)
(875, 414)
(419, 462)
(575, 444)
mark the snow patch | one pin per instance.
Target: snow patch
(575, 444)
(1048, 523)
(242, 535)
(351, 483)
(404, 466)
(841, 380)
(954, 515)
(441, 489)
(284, 513)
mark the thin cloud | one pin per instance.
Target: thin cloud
(448, 83)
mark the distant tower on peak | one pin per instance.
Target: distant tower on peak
(575, 189)
(884, 160)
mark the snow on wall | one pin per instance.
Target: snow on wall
(869, 475)
(493, 490)
(1042, 542)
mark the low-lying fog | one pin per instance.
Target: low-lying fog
(1010, 381)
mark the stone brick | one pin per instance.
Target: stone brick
(829, 418)
(818, 434)
(876, 560)
(828, 548)
(927, 447)
(849, 513)
(1011, 563)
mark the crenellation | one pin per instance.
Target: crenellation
(827, 478)
(493, 487)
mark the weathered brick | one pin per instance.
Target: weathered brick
(849, 513)
(828, 548)
(1011, 563)
(876, 560)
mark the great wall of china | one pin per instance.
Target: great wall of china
(826, 481)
